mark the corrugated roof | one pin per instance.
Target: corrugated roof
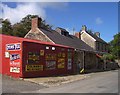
(70, 40)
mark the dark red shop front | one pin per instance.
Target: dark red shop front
(30, 58)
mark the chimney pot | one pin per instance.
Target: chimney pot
(78, 35)
(84, 28)
(97, 34)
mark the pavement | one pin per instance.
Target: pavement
(57, 80)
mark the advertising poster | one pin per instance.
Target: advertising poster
(15, 63)
(50, 56)
(50, 65)
(33, 57)
(61, 63)
(41, 52)
(69, 64)
(13, 47)
(34, 68)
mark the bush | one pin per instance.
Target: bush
(108, 57)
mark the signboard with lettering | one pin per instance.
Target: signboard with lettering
(69, 66)
(13, 47)
(61, 63)
(41, 52)
(34, 68)
(50, 65)
(50, 56)
(15, 63)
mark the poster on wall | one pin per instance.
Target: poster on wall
(69, 66)
(13, 47)
(61, 63)
(33, 57)
(15, 63)
(41, 52)
(30, 68)
(7, 54)
(61, 55)
(50, 65)
(50, 56)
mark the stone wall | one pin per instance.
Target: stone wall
(37, 35)
(88, 60)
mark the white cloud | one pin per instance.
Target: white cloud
(23, 9)
(99, 20)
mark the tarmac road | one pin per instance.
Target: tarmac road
(11, 85)
(102, 82)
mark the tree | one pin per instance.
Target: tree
(45, 25)
(7, 27)
(20, 29)
(115, 46)
(23, 27)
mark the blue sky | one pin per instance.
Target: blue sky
(100, 16)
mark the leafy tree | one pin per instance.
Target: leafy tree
(23, 27)
(115, 46)
(108, 56)
(7, 27)
(45, 25)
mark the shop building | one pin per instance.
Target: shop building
(31, 58)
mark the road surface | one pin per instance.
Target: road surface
(102, 82)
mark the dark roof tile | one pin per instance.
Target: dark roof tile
(96, 37)
(66, 40)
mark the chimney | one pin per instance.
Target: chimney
(84, 28)
(78, 35)
(97, 34)
(36, 23)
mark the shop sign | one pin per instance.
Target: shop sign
(15, 63)
(69, 66)
(34, 68)
(33, 57)
(50, 57)
(14, 57)
(7, 54)
(61, 63)
(15, 46)
(50, 65)
(62, 55)
(15, 69)
(41, 52)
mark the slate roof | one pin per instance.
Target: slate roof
(96, 37)
(66, 40)
(62, 29)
